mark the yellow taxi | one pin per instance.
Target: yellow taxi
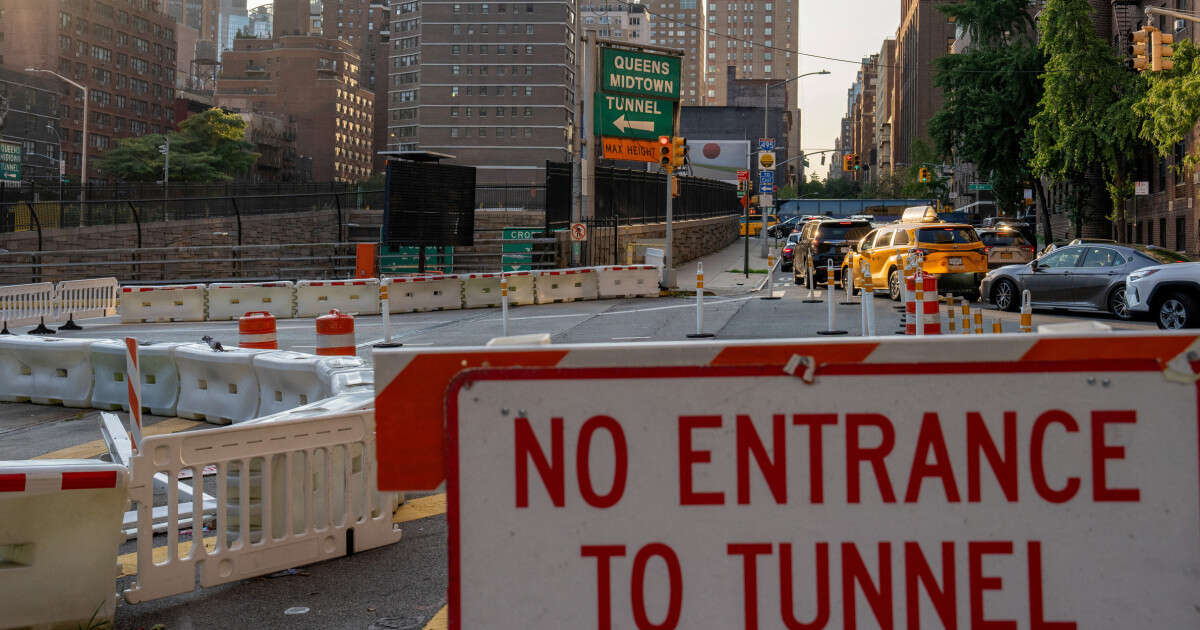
(952, 252)
(753, 224)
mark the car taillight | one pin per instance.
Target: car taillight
(1029, 248)
(987, 248)
(787, 250)
(921, 250)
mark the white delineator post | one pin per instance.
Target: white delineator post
(919, 302)
(387, 312)
(829, 308)
(133, 383)
(1026, 311)
(699, 298)
(504, 300)
(868, 301)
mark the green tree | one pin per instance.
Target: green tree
(991, 92)
(1085, 119)
(209, 147)
(1171, 106)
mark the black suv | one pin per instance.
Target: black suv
(825, 242)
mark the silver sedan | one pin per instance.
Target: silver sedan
(1086, 277)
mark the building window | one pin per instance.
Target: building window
(528, 132)
(454, 112)
(527, 112)
(456, 49)
(528, 50)
(457, 8)
(454, 132)
(454, 92)
(455, 70)
(528, 91)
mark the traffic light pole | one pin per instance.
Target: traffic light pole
(668, 280)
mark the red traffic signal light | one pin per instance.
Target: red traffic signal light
(664, 151)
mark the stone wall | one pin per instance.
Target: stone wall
(690, 239)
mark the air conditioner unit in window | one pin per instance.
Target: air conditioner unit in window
(1180, 25)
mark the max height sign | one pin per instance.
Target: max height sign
(911, 495)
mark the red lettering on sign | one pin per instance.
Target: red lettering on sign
(1037, 462)
(1037, 603)
(675, 587)
(527, 447)
(856, 454)
(816, 460)
(749, 553)
(583, 469)
(1102, 452)
(930, 439)
(878, 595)
(603, 555)
(773, 469)
(1003, 466)
(917, 569)
(785, 588)
(977, 582)
(688, 456)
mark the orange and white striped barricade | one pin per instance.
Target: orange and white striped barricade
(133, 386)
(964, 311)
(335, 334)
(292, 379)
(977, 319)
(256, 330)
(1026, 311)
(60, 531)
(996, 327)
(290, 492)
(230, 300)
(164, 303)
(627, 281)
(86, 299)
(922, 309)
(413, 294)
(46, 371)
(316, 297)
(159, 376)
(217, 387)
(521, 291)
(480, 290)
(566, 285)
(22, 304)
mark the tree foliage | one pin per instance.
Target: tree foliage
(209, 147)
(1171, 105)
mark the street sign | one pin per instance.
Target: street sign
(630, 149)
(578, 462)
(979, 186)
(516, 250)
(766, 200)
(622, 115)
(578, 232)
(766, 144)
(766, 181)
(1141, 188)
(10, 164)
(743, 176)
(636, 72)
(766, 159)
(406, 259)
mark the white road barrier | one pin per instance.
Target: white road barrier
(59, 536)
(218, 387)
(521, 289)
(411, 294)
(615, 281)
(85, 299)
(160, 377)
(358, 297)
(292, 379)
(22, 304)
(481, 290)
(231, 300)
(566, 285)
(46, 371)
(167, 303)
(289, 493)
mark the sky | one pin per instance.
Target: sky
(847, 29)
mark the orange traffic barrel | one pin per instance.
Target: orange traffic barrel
(335, 334)
(256, 329)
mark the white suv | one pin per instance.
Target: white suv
(1168, 293)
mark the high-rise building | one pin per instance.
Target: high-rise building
(925, 34)
(617, 21)
(365, 26)
(864, 118)
(29, 117)
(291, 17)
(261, 19)
(492, 84)
(883, 109)
(123, 52)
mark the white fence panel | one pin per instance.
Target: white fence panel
(26, 303)
(84, 299)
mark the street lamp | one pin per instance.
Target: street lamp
(83, 171)
(766, 92)
(52, 129)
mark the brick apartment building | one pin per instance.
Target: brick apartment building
(313, 82)
(365, 26)
(883, 110)
(863, 121)
(122, 50)
(925, 34)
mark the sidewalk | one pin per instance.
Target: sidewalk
(723, 270)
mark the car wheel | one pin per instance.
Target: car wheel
(894, 285)
(1116, 303)
(1004, 295)
(1177, 310)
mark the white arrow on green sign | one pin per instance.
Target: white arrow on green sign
(624, 116)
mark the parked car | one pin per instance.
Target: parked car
(824, 242)
(1089, 277)
(783, 228)
(1006, 247)
(789, 251)
(1169, 293)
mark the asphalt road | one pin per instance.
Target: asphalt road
(404, 585)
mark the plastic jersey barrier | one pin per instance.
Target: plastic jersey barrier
(26, 303)
(59, 536)
(168, 303)
(288, 494)
(412, 294)
(520, 288)
(566, 285)
(292, 379)
(627, 281)
(316, 297)
(83, 299)
(160, 377)
(480, 290)
(218, 387)
(46, 371)
(232, 300)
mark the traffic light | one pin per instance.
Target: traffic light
(847, 162)
(856, 161)
(679, 152)
(1161, 51)
(664, 152)
(1141, 48)
(923, 175)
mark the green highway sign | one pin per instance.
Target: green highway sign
(979, 186)
(632, 72)
(516, 252)
(10, 164)
(624, 116)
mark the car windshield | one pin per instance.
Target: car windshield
(843, 230)
(1162, 256)
(793, 237)
(947, 235)
(1003, 239)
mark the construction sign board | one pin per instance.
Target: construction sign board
(801, 499)
(630, 149)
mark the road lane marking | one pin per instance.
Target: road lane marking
(88, 450)
(627, 338)
(440, 621)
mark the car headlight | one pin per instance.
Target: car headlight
(1141, 273)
